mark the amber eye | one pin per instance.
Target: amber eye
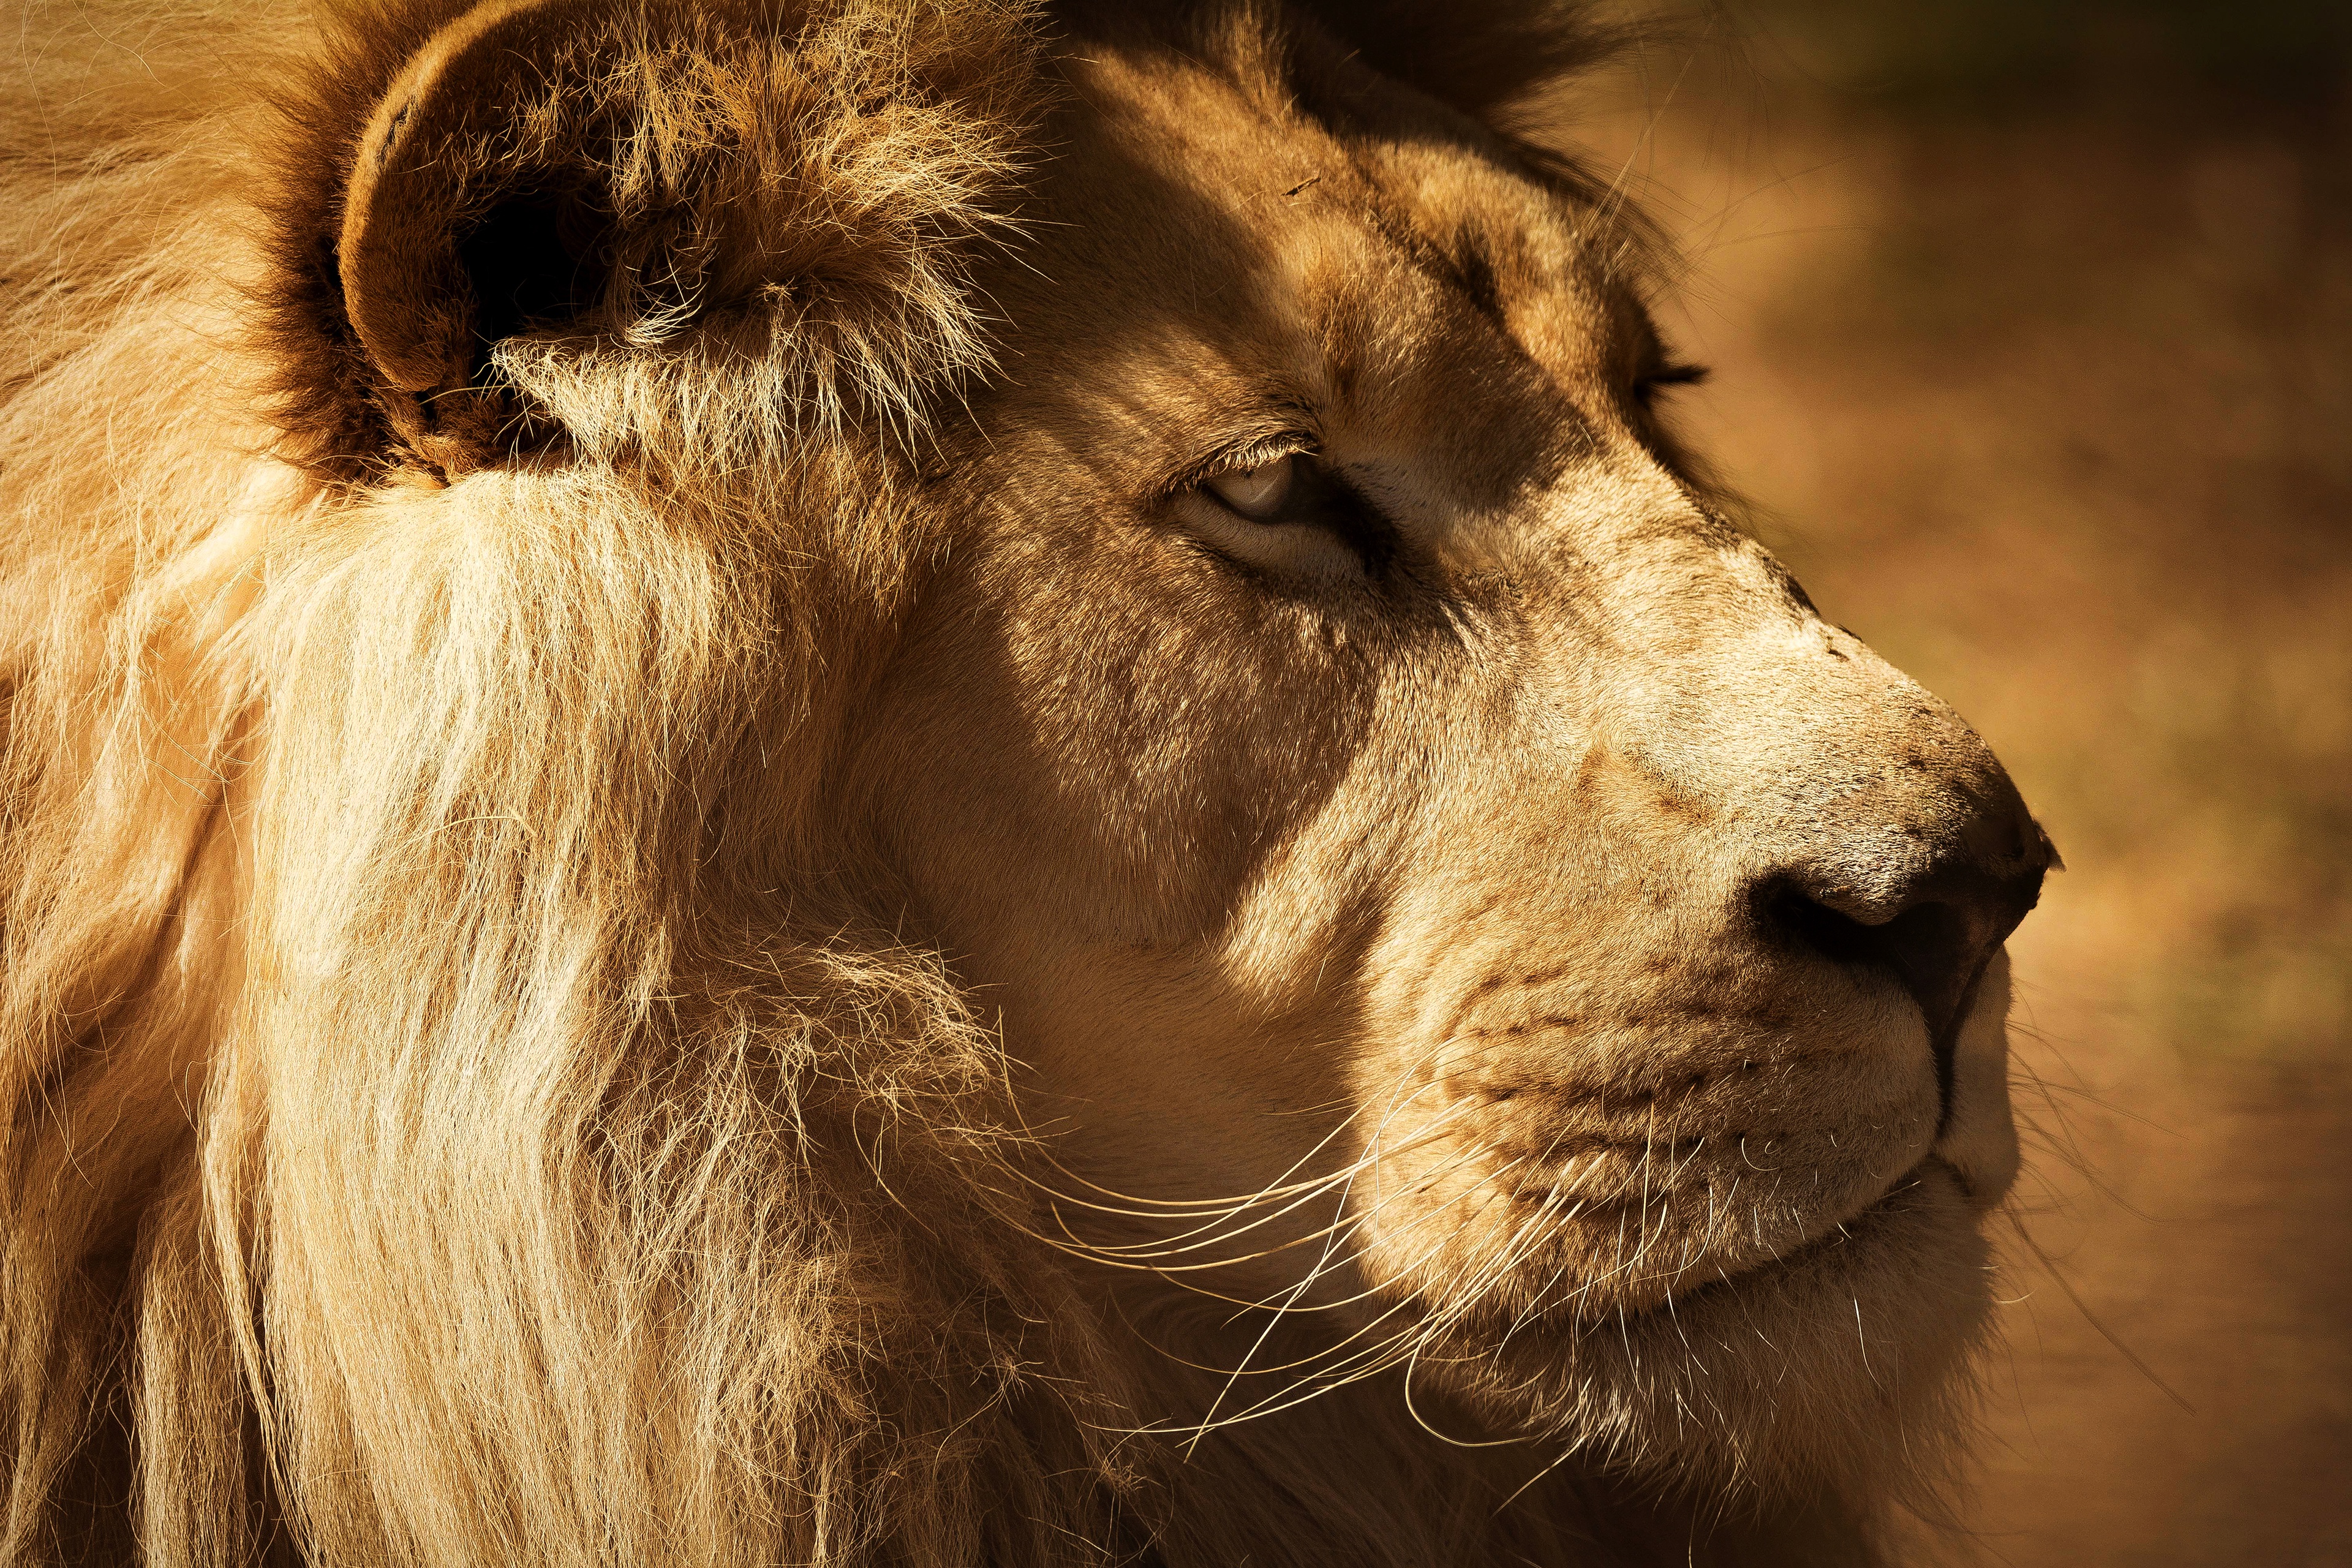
(1257, 493)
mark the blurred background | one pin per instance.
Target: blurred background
(2030, 331)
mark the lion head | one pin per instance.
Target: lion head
(861, 782)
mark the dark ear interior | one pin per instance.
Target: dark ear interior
(537, 258)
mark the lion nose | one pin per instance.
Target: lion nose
(1930, 915)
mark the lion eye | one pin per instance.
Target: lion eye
(1292, 514)
(1257, 493)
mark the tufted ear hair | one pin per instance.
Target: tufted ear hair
(559, 219)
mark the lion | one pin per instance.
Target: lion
(921, 782)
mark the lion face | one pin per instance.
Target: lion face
(787, 554)
(1366, 771)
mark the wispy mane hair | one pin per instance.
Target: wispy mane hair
(409, 938)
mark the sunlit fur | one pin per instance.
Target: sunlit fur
(472, 1093)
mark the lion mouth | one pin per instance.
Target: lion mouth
(1843, 1245)
(1838, 1236)
(1624, 1253)
(1629, 1219)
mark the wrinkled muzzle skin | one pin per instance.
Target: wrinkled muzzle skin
(1497, 918)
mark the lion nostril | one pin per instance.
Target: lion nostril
(1934, 945)
(1928, 910)
(1835, 936)
(1934, 950)
(1822, 927)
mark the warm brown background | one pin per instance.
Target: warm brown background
(2032, 331)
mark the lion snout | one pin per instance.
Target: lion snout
(1783, 1036)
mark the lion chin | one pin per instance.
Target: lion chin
(868, 783)
(1810, 1370)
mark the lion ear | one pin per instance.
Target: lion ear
(561, 216)
(479, 207)
(417, 183)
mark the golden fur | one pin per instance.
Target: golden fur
(692, 905)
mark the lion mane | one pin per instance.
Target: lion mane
(463, 1102)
